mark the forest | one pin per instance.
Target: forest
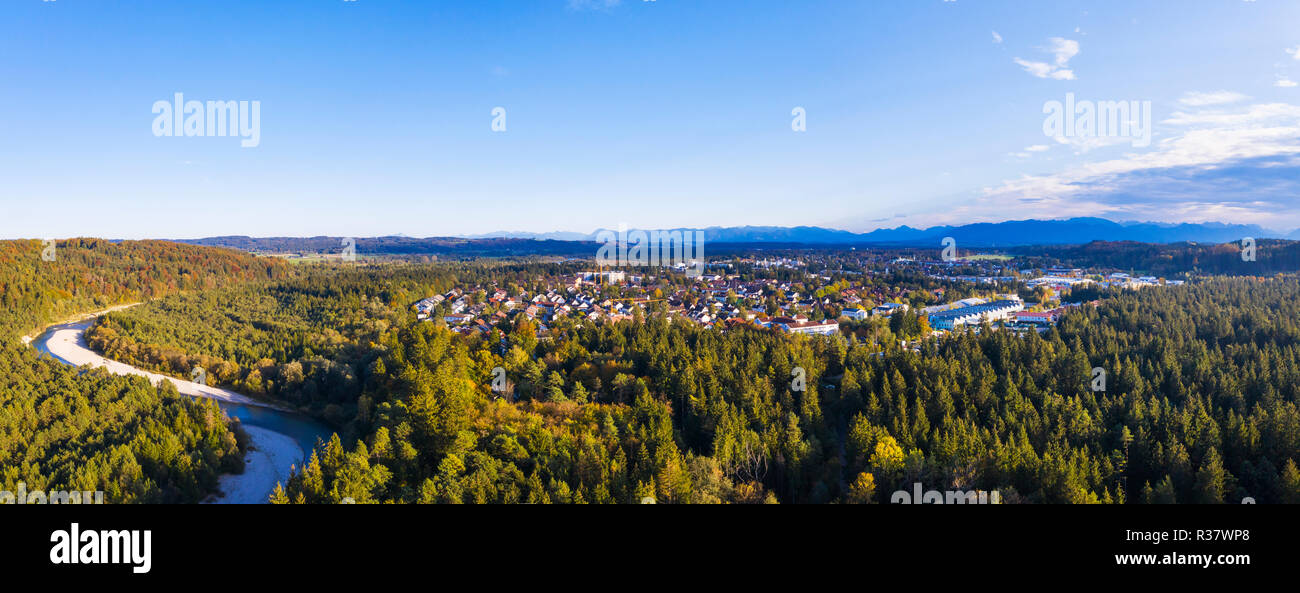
(1176, 260)
(1199, 406)
(65, 429)
(454, 247)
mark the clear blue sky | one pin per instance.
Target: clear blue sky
(376, 114)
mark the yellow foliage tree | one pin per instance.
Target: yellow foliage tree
(888, 456)
(863, 489)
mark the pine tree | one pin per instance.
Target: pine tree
(1211, 480)
(1290, 483)
(278, 496)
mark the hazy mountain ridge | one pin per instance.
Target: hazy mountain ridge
(1073, 231)
(1016, 233)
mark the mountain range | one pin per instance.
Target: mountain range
(1071, 231)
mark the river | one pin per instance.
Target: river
(279, 438)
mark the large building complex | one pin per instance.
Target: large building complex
(975, 314)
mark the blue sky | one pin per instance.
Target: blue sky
(376, 115)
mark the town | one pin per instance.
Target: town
(809, 293)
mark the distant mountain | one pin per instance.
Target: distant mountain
(552, 236)
(765, 234)
(1015, 233)
(1073, 231)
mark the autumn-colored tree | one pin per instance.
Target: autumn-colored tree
(863, 489)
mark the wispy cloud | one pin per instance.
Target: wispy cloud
(1062, 50)
(997, 38)
(1251, 115)
(1199, 99)
(1030, 150)
(1239, 164)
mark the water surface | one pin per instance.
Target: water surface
(302, 429)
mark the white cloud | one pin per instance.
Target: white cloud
(1029, 151)
(1251, 115)
(1284, 82)
(997, 38)
(1082, 144)
(1191, 176)
(1062, 50)
(1199, 99)
(1295, 52)
(1039, 69)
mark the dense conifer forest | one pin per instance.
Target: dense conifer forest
(1199, 406)
(67, 429)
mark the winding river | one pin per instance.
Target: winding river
(279, 438)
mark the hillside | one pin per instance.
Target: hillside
(65, 429)
(92, 274)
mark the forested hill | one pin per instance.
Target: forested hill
(39, 285)
(404, 246)
(1271, 256)
(64, 429)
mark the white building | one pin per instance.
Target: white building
(888, 309)
(991, 312)
(824, 328)
(1057, 282)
